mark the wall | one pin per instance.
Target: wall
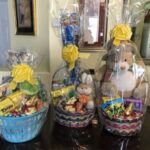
(38, 43)
(4, 31)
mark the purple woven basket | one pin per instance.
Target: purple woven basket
(74, 120)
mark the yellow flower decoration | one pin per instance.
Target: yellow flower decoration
(121, 32)
(21, 73)
(70, 55)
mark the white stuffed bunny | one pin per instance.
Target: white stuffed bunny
(85, 93)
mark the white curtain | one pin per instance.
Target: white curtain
(4, 31)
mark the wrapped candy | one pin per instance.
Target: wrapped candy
(72, 91)
(123, 90)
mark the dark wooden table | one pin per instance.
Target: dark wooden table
(93, 137)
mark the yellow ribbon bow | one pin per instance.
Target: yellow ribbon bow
(70, 55)
(121, 32)
(21, 73)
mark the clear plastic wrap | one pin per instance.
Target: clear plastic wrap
(23, 56)
(72, 92)
(70, 28)
(65, 17)
(123, 90)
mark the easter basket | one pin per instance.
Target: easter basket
(22, 129)
(74, 120)
(123, 111)
(72, 91)
(123, 125)
(22, 122)
(122, 93)
(71, 109)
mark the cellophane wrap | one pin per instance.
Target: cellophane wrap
(73, 96)
(22, 56)
(122, 89)
(65, 20)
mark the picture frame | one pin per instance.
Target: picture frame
(25, 17)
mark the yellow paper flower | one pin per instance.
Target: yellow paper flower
(121, 32)
(21, 73)
(70, 55)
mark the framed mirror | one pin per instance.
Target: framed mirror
(141, 33)
(145, 40)
(93, 24)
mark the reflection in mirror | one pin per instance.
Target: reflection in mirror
(145, 43)
(93, 19)
(141, 30)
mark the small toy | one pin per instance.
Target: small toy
(85, 93)
(122, 79)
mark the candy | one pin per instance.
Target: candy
(138, 104)
(129, 109)
(70, 105)
(62, 91)
(39, 105)
(106, 99)
(112, 106)
(11, 102)
(112, 103)
(3, 89)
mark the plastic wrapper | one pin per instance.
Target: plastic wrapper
(65, 18)
(23, 56)
(72, 92)
(123, 90)
(24, 100)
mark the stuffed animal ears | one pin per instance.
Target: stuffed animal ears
(86, 78)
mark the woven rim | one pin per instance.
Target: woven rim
(74, 120)
(123, 129)
(72, 114)
(73, 125)
(27, 116)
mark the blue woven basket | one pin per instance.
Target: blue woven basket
(22, 129)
